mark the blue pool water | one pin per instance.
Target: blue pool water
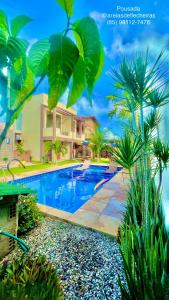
(66, 189)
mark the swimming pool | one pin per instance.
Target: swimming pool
(66, 189)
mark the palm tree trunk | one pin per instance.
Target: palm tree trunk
(98, 156)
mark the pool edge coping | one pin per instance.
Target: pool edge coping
(79, 217)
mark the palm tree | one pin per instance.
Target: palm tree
(127, 151)
(139, 78)
(97, 142)
(143, 233)
(57, 147)
(122, 106)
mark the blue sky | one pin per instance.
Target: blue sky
(118, 40)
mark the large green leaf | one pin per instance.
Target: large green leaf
(67, 5)
(79, 82)
(63, 58)
(39, 57)
(11, 48)
(27, 85)
(3, 92)
(101, 64)
(18, 23)
(16, 48)
(3, 21)
(18, 73)
(90, 46)
(3, 43)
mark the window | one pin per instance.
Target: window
(49, 120)
(58, 121)
(17, 138)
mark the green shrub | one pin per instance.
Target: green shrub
(145, 250)
(29, 278)
(5, 158)
(29, 214)
(20, 147)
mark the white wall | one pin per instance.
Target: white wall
(164, 135)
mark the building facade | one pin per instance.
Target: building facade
(8, 148)
(40, 125)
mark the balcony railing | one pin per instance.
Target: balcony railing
(48, 132)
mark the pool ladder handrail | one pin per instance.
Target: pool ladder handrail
(8, 166)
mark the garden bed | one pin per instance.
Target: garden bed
(87, 262)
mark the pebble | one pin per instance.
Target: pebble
(88, 262)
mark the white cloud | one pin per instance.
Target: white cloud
(117, 47)
(155, 43)
(64, 97)
(98, 17)
(83, 107)
(110, 135)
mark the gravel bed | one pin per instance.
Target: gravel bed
(88, 262)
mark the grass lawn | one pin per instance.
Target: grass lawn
(37, 166)
(101, 161)
(40, 166)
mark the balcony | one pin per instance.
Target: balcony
(48, 132)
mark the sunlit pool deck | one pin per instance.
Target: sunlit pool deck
(102, 212)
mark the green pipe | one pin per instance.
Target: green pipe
(20, 242)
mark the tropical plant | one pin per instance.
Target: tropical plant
(57, 146)
(20, 147)
(60, 58)
(161, 152)
(143, 237)
(125, 107)
(29, 216)
(5, 159)
(127, 151)
(98, 142)
(29, 278)
(17, 79)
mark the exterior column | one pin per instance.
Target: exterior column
(83, 151)
(54, 133)
(54, 125)
(80, 128)
(42, 123)
(71, 150)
